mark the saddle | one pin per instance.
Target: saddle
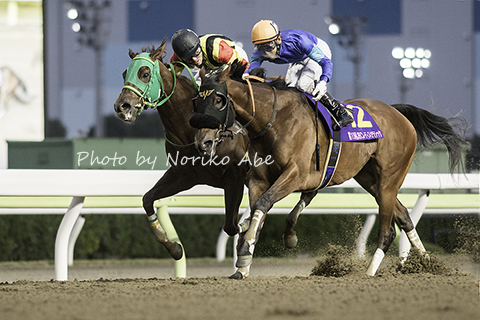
(363, 128)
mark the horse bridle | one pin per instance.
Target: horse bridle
(207, 115)
(230, 133)
(152, 94)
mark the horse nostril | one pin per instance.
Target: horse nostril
(207, 145)
(125, 106)
(122, 107)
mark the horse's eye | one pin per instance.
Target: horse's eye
(218, 100)
(146, 74)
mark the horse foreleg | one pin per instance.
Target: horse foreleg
(234, 187)
(171, 183)
(282, 187)
(174, 248)
(246, 244)
(290, 239)
(247, 240)
(242, 271)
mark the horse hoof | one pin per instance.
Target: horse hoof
(177, 253)
(244, 261)
(237, 276)
(290, 242)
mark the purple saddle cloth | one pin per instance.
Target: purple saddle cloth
(363, 127)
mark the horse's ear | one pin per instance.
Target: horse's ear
(131, 53)
(202, 73)
(156, 54)
(159, 53)
(225, 74)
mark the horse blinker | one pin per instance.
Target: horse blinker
(212, 107)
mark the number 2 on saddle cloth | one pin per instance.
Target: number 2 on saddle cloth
(362, 128)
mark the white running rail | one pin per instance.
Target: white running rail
(80, 184)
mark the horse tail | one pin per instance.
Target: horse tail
(432, 129)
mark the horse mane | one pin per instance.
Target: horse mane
(237, 70)
(156, 53)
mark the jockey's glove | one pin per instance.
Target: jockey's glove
(319, 90)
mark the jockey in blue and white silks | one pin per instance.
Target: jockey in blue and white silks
(299, 47)
(309, 58)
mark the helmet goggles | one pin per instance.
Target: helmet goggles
(194, 54)
(266, 47)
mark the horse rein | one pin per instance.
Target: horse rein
(269, 124)
(250, 89)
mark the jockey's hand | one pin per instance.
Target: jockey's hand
(319, 90)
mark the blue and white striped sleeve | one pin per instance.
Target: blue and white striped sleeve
(326, 64)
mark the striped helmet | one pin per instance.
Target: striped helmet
(265, 31)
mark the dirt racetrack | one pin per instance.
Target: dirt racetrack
(276, 289)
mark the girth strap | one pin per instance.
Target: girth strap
(333, 154)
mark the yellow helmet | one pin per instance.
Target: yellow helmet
(264, 31)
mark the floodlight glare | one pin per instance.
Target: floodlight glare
(412, 60)
(405, 63)
(72, 14)
(425, 63)
(410, 53)
(76, 27)
(409, 73)
(417, 63)
(397, 53)
(427, 54)
(420, 53)
(334, 29)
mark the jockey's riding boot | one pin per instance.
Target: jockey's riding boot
(338, 111)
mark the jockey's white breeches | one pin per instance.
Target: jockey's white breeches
(303, 74)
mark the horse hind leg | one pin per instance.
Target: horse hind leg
(404, 221)
(386, 234)
(386, 198)
(290, 238)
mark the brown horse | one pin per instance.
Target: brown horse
(283, 123)
(11, 86)
(144, 80)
